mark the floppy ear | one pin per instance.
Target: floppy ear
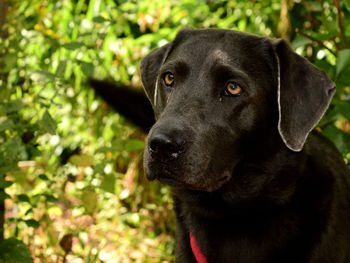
(304, 94)
(150, 66)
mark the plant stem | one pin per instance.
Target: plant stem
(2, 218)
(340, 22)
(316, 40)
(3, 11)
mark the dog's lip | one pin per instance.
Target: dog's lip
(173, 182)
(170, 181)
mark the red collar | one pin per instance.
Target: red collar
(197, 252)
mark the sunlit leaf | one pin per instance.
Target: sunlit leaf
(108, 183)
(89, 200)
(82, 160)
(20, 177)
(41, 75)
(55, 210)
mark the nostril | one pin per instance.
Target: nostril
(331, 91)
(163, 146)
(158, 142)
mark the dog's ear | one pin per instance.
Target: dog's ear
(150, 66)
(304, 94)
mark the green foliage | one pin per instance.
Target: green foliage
(14, 251)
(69, 165)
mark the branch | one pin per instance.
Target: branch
(315, 40)
(324, 16)
(3, 11)
(313, 21)
(340, 22)
(2, 218)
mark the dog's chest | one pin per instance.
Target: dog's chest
(250, 240)
(219, 240)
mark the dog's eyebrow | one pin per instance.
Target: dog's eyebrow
(227, 68)
(177, 65)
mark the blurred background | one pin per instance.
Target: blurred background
(72, 187)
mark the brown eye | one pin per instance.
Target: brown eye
(168, 78)
(233, 89)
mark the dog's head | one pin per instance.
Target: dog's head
(217, 95)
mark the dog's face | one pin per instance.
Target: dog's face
(216, 95)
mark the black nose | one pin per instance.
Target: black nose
(164, 147)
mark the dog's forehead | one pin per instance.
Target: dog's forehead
(216, 46)
(220, 55)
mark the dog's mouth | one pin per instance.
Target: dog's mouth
(209, 187)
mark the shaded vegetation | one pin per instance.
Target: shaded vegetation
(71, 181)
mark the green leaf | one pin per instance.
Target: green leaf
(343, 61)
(99, 19)
(30, 210)
(43, 177)
(338, 137)
(14, 251)
(82, 160)
(108, 183)
(134, 145)
(73, 45)
(48, 123)
(4, 195)
(347, 4)
(23, 198)
(50, 198)
(4, 183)
(32, 223)
(87, 68)
(61, 68)
(20, 177)
(89, 200)
(300, 41)
(10, 61)
(343, 107)
(13, 106)
(41, 75)
(6, 124)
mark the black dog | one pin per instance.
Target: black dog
(233, 138)
(251, 183)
